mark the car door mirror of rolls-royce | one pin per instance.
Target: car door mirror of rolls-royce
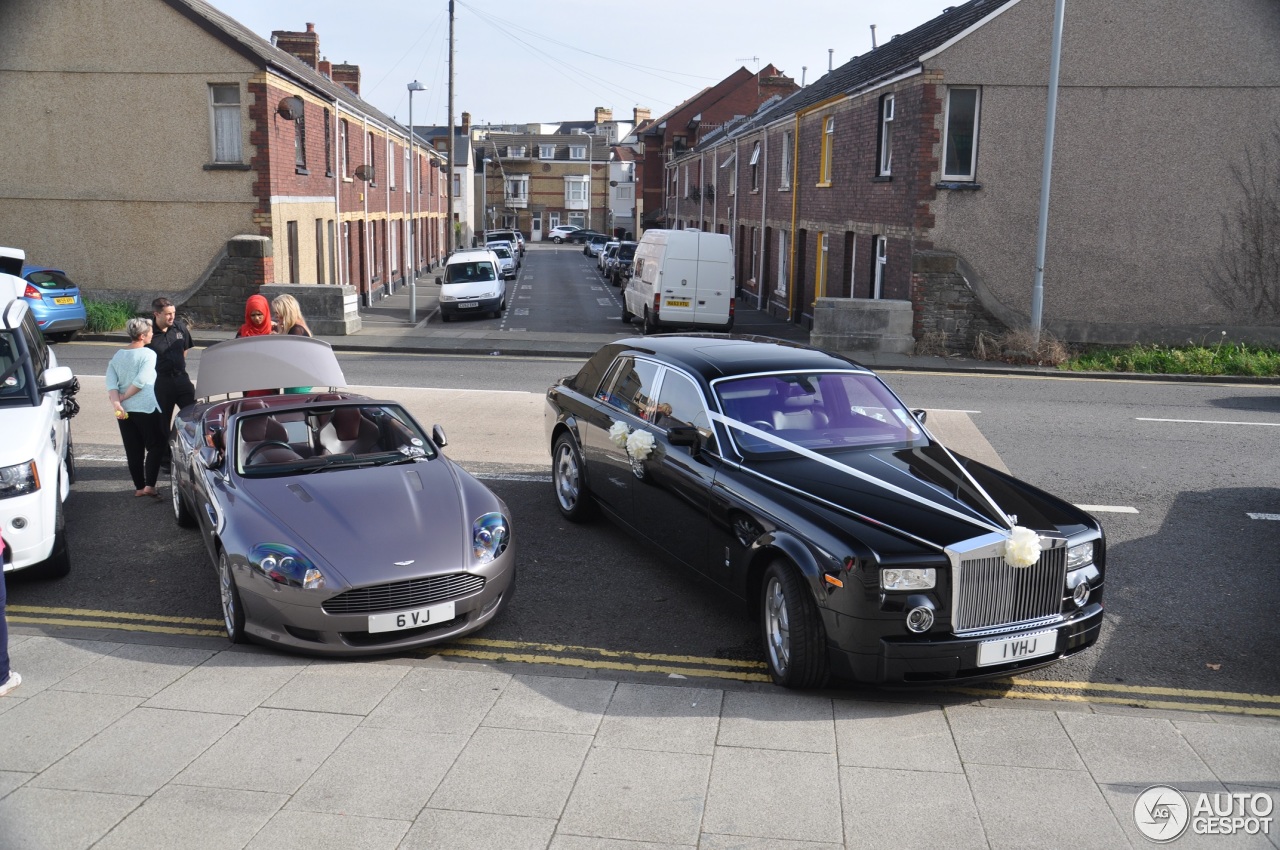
(438, 437)
(683, 435)
(920, 414)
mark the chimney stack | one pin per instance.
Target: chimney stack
(603, 115)
(325, 68)
(466, 123)
(640, 113)
(347, 75)
(304, 45)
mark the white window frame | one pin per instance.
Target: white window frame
(782, 262)
(343, 147)
(577, 151)
(517, 152)
(784, 174)
(578, 219)
(824, 269)
(853, 264)
(546, 151)
(391, 164)
(881, 247)
(226, 129)
(394, 236)
(755, 168)
(626, 192)
(887, 110)
(971, 175)
(576, 189)
(828, 149)
(520, 184)
(685, 170)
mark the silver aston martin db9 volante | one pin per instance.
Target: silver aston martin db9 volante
(335, 523)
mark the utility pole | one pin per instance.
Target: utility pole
(1046, 173)
(453, 162)
(413, 209)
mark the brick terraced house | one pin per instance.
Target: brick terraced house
(896, 197)
(159, 147)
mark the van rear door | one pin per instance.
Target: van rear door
(714, 293)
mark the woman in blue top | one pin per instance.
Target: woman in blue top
(131, 386)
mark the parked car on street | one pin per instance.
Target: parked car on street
(593, 246)
(506, 259)
(472, 282)
(335, 522)
(623, 259)
(37, 458)
(605, 255)
(506, 236)
(54, 299)
(579, 237)
(558, 234)
(800, 484)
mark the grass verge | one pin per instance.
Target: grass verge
(1223, 359)
(107, 315)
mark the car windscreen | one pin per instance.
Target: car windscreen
(50, 280)
(13, 372)
(469, 272)
(815, 410)
(627, 252)
(502, 251)
(326, 437)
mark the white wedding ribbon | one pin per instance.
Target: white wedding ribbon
(868, 478)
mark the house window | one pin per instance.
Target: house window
(328, 144)
(828, 145)
(516, 152)
(546, 151)
(625, 192)
(395, 246)
(685, 171)
(577, 151)
(755, 168)
(371, 159)
(518, 187)
(575, 189)
(577, 218)
(391, 165)
(879, 262)
(782, 262)
(457, 185)
(344, 148)
(960, 144)
(784, 172)
(733, 178)
(820, 273)
(886, 136)
(224, 107)
(300, 141)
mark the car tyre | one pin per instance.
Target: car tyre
(649, 326)
(567, 475)
(58, 564)
(627, 315)
(444, 317)
(557, 239)
(795, 647)
(232, 610)
(64, 336)
(183, 517)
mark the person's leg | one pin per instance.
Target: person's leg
(155, 439)
(167, 398)
(134, 448)
(4, 637)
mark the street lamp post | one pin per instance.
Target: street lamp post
(413, 210)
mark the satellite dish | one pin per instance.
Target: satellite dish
(613, 182)
(365, 173)
(290, 108)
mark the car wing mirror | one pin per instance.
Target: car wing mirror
(920, 414)
(210, 457)
(683, 435)
(438, 437)
(55, 379)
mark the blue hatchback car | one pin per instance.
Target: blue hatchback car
(54, 301)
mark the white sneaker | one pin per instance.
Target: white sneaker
(12, 682)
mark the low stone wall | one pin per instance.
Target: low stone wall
(329, 310)
(235, 274)
(851, 325)
(945, 304)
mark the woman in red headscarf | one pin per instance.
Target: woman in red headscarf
(257, 317)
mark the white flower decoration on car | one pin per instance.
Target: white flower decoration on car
(1022, 549)
(618, 433)
(639, 444)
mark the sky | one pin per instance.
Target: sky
(526, 61)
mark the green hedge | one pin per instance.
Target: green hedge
(107, 315)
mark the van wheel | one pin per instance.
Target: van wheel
(444, 317)
(727, 326)
(649, 326)
(627, 315)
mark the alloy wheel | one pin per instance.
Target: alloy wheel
(777, 626)
(568, 488)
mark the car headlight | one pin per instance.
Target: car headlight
(489, 537)
(492, 293)
(19, 479)
(908, 578)
(1080, 555)
(444, 297)
(285, 565)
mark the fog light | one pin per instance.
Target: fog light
(1080, 595)
(920, 619)
(19, 522)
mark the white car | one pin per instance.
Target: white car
(506, 259)
(471, 282)
(37, 464)
(558, 234)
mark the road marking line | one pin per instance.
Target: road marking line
(607, 653)
(119, 615)
(103, 624)
(1263, 516)
(512, 476)
(1138, 703)
(1206, 421)
(598, 665)
(1108, 509)
(1153, 690)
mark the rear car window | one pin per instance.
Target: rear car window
(50, 280)
(629, 385)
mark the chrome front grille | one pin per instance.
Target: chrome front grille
(992, 594)
(414, 593)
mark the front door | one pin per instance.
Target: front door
(535, 228)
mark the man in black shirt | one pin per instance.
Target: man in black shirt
(170, 339)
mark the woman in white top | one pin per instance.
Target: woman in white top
(131, 386)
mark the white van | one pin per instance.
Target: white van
(681, 277)
(471, 282)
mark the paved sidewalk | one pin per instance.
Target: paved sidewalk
(171, 743)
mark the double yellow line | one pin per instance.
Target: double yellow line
(594, 658)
